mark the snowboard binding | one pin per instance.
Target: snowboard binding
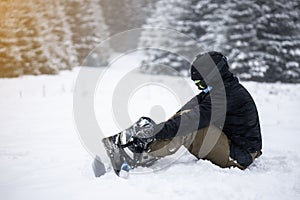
(122, 151)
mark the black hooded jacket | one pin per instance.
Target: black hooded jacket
(241, 123)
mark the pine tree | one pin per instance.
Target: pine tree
(89, 30)
(198, 20)
(279, 40)
(124, 15)
(25, 39)
(58, 36)
(212, 16)
(263, 39)
(241, 37)
(9, 53)
(34, 38)
(168, 14)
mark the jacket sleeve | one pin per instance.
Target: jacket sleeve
(192, 116)
(196, 100)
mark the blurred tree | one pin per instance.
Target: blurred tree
(278, 42)
(212, 16)
(45, 36)
(35, 38)
(56, 36)
(172, 14)
(261, 38)
(88, 28)
(123, 15)
(10, 57)
(202, 21)
(241, 38)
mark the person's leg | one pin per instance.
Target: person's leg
(207, 143)
(162, 148)
(212, 144)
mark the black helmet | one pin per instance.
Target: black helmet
(203, 67)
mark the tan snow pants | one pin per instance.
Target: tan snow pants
(208, 143)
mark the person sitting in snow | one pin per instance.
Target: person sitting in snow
(220, 124)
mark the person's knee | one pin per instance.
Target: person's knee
(211, 142)
(161, 148)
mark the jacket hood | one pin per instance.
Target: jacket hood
(210, 66)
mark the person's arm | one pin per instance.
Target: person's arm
(191, 117)
(196, 100)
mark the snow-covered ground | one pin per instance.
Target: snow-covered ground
(41, 155)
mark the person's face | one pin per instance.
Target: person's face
(200, 84)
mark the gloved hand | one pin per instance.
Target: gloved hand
(139, 136)
(140, 145)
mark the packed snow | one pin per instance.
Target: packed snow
(42, 155)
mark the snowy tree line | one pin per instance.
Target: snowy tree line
(45, 36)
(261, 38)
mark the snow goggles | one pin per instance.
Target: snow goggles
(200, 84)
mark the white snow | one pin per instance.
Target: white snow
(41, 156)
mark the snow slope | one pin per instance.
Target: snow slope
(41, 156)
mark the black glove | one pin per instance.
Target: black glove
(140, 145)
(139, 136)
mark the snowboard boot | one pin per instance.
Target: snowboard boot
(123, 158)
